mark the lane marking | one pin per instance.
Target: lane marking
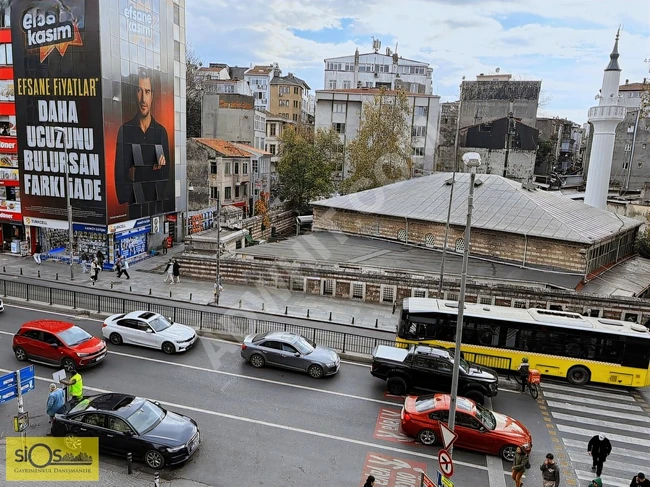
(590, 433)
(609, 464)
(607, 413)
(496, 475)
(609, 404)
(582, 446)
(599, 422)
(607, 480)
(588, 392)
(372, 446)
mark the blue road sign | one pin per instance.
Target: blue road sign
(9, 384)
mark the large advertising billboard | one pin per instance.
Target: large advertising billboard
(139, 128)
(57, 87)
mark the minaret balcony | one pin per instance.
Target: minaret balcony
(607, 113)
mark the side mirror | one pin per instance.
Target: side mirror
(54, 345)
(482, 429)
(157, 403)
(128, 433)
(297, 354)
(170, 320)
(149, 330)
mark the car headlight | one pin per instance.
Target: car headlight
(331, 364)
(82, 354)
(175, 449)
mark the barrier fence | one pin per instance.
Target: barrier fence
(236, 326)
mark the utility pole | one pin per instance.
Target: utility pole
(508, 139)
(451, 193)
(217, 280)
(68, 202)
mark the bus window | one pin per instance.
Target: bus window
(636, 354)
(608, 350)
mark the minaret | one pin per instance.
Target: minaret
(604, 118)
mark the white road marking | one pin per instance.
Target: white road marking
(588, 392)
(591, 433)
(582, 445)
(373, 446)
(607, 480)
(599, 422)
(608, 413)
(609, 464)
(496, 475)
(608, 404)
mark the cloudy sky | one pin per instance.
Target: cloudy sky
(565, 43)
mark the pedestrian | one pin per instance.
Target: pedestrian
(640, 481)
(94, 270)
(118, 264)
(550, 472)
(37, 253)
(596, 483)
(75, 386)
(124, 266)
(169, 271)
(523, 369)
(519, 465)
(176, 269)
(55, 400)
(84, 262)
(100, 260)
(370, 481)
(599, 449)
(165, 244)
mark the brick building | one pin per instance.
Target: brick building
(511, 223)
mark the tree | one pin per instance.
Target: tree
(305, 166)
(545, 156)
(193, 93)
(381, 153)
(643, 244)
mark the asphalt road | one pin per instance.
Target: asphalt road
(270, 427)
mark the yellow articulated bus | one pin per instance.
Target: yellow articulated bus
(557, 343)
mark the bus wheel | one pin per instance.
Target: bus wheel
(578, 375)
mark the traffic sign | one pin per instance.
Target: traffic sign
(9, 383)
(426, 481)
(446, 465)
(444, 481)
(448, 436)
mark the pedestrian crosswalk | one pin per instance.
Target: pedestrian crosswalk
(623, 416)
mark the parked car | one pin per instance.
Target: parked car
(147, 329)
(478, 428)
(290, 351)
(129, 424)
(58, 343)
(431, 369)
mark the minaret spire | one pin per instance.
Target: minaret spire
(613, 57)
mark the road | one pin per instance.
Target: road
(270, 427)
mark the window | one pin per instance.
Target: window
(6, 55)
(420, 111)
(255, 167)
(418, 151)
(213, 167)
(177, 51)
(296, 90)
(368, 84)
(338, 108)
(384, 68)
(244, 167)
(332, 83)
(626, 165)
(244, 192)
(94, 419)
(295, 117)
(418, 131)
(347, 85)
(272, 130)
(237, 191)
(272, 345)
(51, 339)
(272, 148)
(349, 67)
(283, 103)
(214, 192)
(5, 17)
(339, 127)
(295, 103)
(334, 66)
(467, 421)
(284, 90)
(145, 418)
(236, 168)
(116, 424)
(628, 147)
(228, 191)
(630, 129)
(226, 168)
(288, 348)
(177, 15)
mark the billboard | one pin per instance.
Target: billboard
(139, 110)
(58, 93)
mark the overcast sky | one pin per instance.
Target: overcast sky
(565, 43)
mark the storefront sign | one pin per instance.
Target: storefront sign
(78, 227)
(129, 225)
(45, 223)
(15, 217)
(131, 245)
(8, 145)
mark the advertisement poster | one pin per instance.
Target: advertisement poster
(58, 93)
(140, 144)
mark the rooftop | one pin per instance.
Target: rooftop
(382, 54)
(260, 70)
(290, 79)
(253, 150)
(224, 148)
(376, 91)
(500, 204)
(634, 87)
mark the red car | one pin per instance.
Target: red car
(58, 343)
(477, 428)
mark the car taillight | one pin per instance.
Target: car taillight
(243, 346)
(103, 325)
(407, 417)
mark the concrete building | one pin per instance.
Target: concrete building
(448, 129)
(275, 125)
(260, 171)
(220, 169)
(289, 98)
(512, 222)
(342, 109)
(214, 71)
(259, 79)
(566, 137)
(233, 117)
(604, 119)
(377, 70)
(226, 86)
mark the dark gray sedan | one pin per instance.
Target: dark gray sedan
(290, 351)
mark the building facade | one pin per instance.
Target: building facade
(260, 173)
(376, 70)
(289, 97)
(342, 110)
(259, 79)
(566, 137)
(275, 125)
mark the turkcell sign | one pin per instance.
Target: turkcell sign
(9, 384)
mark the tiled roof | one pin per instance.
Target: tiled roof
(260, 70)
(500, 205)
(375, 91)
(224, 148)
(634, 87)
(290, 80)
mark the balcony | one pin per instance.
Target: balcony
(607, 113)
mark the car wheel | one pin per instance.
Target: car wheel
(578, 375)
(396, 386)
(68, 364)
(72, 442)
(116, 339)
(20, 354)
(476, 396)
(257, 361)
(427, 437)
(168, 348)
(315, 371)
(154, 459)
(508, 453)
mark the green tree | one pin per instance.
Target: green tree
(643, 243)
(545, 156)
(193, 93)
(381, 153)
(305, 166)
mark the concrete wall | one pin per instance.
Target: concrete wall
(198, 170)
(508, 247)
(283, 221)
(521, 164)
(639, 165)
(228, 117)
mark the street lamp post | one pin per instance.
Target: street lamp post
(471, 160)
(68, 201)
(217, 280)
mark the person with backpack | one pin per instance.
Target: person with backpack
(523, 369)
(519, 465)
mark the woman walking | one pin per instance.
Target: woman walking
(176, 269)
(94, 270)
(519, 465)
(169, 272)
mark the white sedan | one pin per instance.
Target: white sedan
(148, 329)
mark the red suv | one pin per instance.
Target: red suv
(58, 343)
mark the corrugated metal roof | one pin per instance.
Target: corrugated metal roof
(225, 148)
(500, 204)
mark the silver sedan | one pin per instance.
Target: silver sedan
(290, 351)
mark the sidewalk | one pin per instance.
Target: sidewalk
(147, 280)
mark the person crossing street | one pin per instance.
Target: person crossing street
(599, 448)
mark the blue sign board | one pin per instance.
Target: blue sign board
(9, 384)
(80, 227)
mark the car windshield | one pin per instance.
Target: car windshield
(463, 363)
(74, 336)
(146, 417)
(486, 417)
(304, 346)
(160, 323)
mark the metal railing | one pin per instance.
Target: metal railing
(490, 361)
(236, 326)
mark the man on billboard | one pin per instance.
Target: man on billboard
(142, 156)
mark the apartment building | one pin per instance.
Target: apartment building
(259, 79)
(275, 125)
(290, 98)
